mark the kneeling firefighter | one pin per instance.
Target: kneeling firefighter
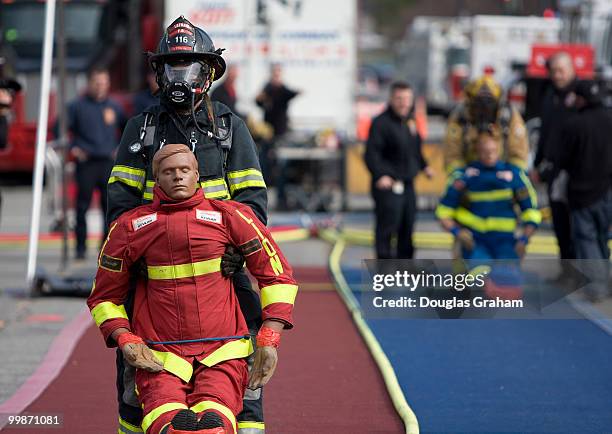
(186, 64)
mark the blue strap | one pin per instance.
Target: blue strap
(189, 341)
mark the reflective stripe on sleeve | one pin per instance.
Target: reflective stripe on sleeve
(445, 212)
(245, 178)
(127, 175)
(281, 293)
(531, 216)
(533, 196)
(107, 310)
(215, 189)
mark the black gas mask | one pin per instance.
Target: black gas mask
(483, 111)
(182, 82)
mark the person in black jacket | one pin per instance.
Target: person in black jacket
(274, 99)
(393, 156)
(557, 107)
(586, 155)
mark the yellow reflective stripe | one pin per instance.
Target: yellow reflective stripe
(531, 216)
(255, 425)
(232, 350)
(532, 193)
(110, 231)
(488, 224)
(280, 293)
(158, 272)
(246, 184)
(444, 212)
(215, 189)
(489, 196)
(107, 310)
(242, 173)
(148, 191)
(175, 365)
(127, 175)
(240, 179)
(129, 427)
(212, 405)
(158, 411)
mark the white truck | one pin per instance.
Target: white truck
(438, 51)
(314, 41)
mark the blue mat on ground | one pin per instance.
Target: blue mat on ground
(494, 376)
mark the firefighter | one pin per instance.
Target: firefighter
(478, 207)
(482, 111)
(187, 336)
(186, 63)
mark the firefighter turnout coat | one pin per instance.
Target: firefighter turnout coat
(186, 297)
(228, 170)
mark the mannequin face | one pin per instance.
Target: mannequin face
(178, 177)
(488, 151)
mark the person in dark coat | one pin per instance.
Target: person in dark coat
(586, 155)
(393, 157)
(557, 107)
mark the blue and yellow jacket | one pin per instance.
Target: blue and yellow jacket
(485, 199)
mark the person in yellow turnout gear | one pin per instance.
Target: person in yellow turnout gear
(484, 111)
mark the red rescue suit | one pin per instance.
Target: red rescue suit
(181, 243)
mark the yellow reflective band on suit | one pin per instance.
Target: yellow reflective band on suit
(127, 175)
(158, 411)
(128, 428)
(490, 196)
(107, 310)
(531, 216)
(280, 293)
(159, 272)
(252, 426)
(215, 189)
(232, 350)
(175, 365)
(533, 196)
(245, 178)
(148, 191)
(445, 212)
(485, 224)
(212, 405)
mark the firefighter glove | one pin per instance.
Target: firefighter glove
(232, 261)
(266, 359)
(137, 354)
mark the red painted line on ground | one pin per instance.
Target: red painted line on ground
(55, 359)
(45, 318)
